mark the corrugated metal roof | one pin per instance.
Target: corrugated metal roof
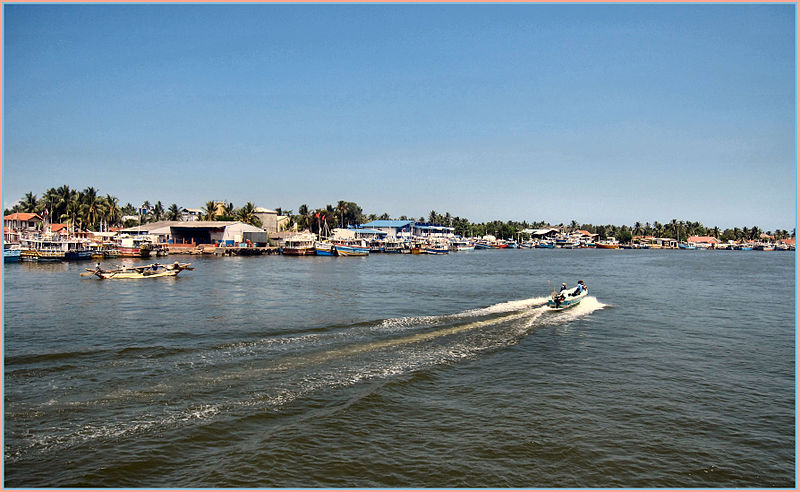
(388, 223)
(192, 224)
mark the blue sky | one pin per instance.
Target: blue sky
(594, 113)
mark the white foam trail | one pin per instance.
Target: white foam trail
(499, 308)
(587, 306)
(505, 307)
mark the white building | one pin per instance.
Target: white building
(227, 233)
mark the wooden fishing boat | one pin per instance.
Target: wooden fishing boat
(11, 253)
(135, 247)
(435, 249)
(53, 248)
(138, 272)
(461, 245)
(351, 250)
(324, 248)
(610, 243)
(300, 245)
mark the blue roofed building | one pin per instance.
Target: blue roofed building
(408, 228)
(433, 230)
(392, 228)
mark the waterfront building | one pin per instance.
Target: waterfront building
(22, 222)
(392, 228)
(543, 233)
(703, 241)
(226, 233)
(16, 224)
(191, 214)
(270, 220)
(369, 233)
(429, 230)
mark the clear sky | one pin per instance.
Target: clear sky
(594, 113)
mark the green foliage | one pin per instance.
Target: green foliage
(88, 209)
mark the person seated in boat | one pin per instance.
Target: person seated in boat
(580, 288)
(560, 296)
(97, 267)
(176, 265)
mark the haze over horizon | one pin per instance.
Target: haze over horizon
(602, 114)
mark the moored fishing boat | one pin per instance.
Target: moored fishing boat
(78, 254)
(394, 246)
(432, 249)
(11, 253)
(324, 248)
(351, 249)
(436, 246)
(610, 243)
(300, 245)
(53, 248)
(135, 247)
(461, 245)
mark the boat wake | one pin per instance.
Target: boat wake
(262, 376)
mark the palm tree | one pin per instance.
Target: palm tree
(113, 212)
(173, 213)
(303, 217)
(247, 214)
(675, 227)
(341, 207)
(228, 209)
(210, 211)
(29, 202)
(158, 211)
(144, 218)
(72, 211)
(91, 206)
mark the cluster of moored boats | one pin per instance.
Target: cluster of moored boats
(306, 244)
(55, 247)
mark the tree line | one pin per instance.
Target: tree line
(89, 209)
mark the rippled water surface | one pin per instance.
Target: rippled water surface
(401, 371)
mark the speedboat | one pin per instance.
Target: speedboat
(565, 300)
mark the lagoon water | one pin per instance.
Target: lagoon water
(405, 371)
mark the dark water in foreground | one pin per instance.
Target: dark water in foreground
(401, 371)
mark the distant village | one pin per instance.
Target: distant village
(70, 224)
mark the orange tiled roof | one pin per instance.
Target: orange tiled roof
(21, 216)
(702, 239)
